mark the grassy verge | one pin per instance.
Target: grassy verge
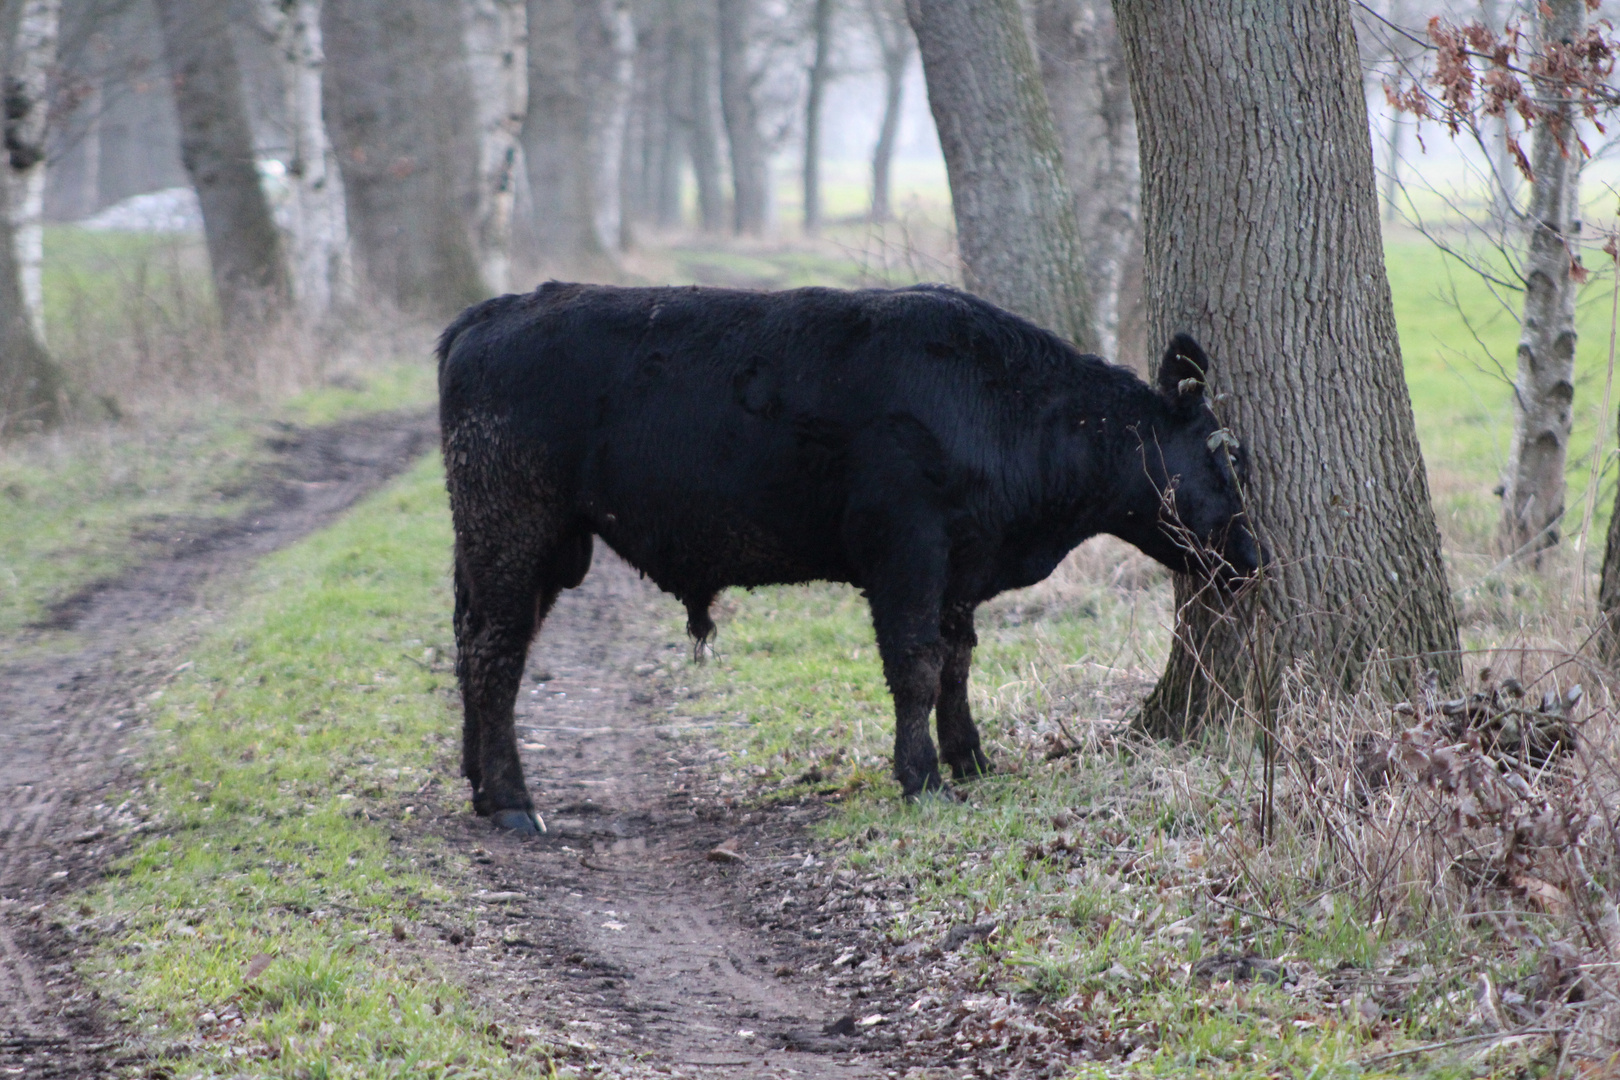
(1128, 882)
(80, 505)
(259, 922)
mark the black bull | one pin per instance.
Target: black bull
(919, 443)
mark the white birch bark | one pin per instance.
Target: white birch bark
(608, 139)
(496, 34)
(26, 87)
(1543, 394)
(322, 256)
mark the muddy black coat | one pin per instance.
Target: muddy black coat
(918, 443)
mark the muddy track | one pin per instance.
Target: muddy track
(652, 946)
(616, 929)
(64, 712)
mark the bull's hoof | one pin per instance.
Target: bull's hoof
(971, 766)
(521, 822)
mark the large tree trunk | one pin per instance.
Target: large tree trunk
(1262, 241)
(216, 144)
(1533, 482)
(322, 260)
(1083, 69)
(894, 39)
(27, 107)
(400, 108)
(557, 135)
(750, 179)
(705, 142)
(1015, 223)
(815, 92)
(496, 36)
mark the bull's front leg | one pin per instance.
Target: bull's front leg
(913, 677)
(958, 736)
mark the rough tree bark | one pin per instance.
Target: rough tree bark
(557, 135)
(1015, 225)
(27, 103)
(895, 40)
(497, 44)
(1262, 241)
(216, 144)
(1083, 69)
(400, 112)
(749, 168)
(1533, 481)
(815, 91)
(322, 259)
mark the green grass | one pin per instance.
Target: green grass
(1097, 866)
(81, 505)
(323, 693)
(1459, 343)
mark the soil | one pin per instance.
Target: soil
(665, 924)
(68, 703)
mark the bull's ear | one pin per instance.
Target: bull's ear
(1184, 370)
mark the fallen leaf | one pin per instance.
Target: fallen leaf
(726, 852)
(256, 966)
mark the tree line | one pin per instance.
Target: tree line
(1118, 173)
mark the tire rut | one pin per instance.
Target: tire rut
(67, 706)
(655, 937)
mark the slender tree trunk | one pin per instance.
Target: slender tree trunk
(894, 41)
(322, 259)
(675, 108)
(1392, 164)
(497, 62)
(618, 57)
(815, 92)
(31, 385)
(1533, 482)
(705, 143)
(1262, 241)
(1083, 69)
(557, 146)
(749, 168)
(400, 112)
(27, 108)
(244, 249)
(1015, 224)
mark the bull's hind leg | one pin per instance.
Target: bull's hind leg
(504, 587)
(958, 737)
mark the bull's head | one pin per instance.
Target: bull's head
(1199, 471)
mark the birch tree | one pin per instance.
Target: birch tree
(497, 61)
(617, 56)
(1544, 392)
(1015, 224)
(322, 258)
(27, 118)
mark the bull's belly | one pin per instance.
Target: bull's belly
(719, 554)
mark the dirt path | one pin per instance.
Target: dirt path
(64, 712)
(658, 945)
(616, 927)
